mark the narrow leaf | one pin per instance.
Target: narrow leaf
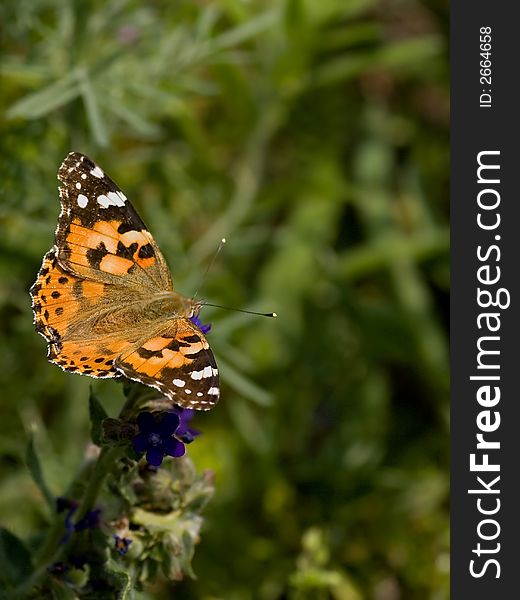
(33, 462)
(44, 101)
(15, 560)
(121, 581)
(132, 118)
(61, 591)
(243, 385)
(94, 117)
(97, 415)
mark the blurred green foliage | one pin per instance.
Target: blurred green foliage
(314, 136)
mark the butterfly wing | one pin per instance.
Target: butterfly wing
(61, 302)
(103, 264)
(100, 236)
(176, 360)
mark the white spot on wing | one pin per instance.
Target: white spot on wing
(179, 382)
(83, 175)
(196, 374)
(117, 198)
(213, 391)
(97, 172)
(82, 200)
(188, 391)
(78, 185)
(208, 371)
(103, 201)
(215, 371)
(199, 394)
(111, 199)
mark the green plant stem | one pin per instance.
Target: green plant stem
(105, 460)
(52, 550)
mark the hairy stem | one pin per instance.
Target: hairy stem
(53, 550)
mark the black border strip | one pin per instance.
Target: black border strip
(485, 524)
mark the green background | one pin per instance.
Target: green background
(314, 136)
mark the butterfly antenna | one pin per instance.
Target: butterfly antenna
(249, 312)
(220, 246)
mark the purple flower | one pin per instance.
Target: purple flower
(91, 520)
(156, 437)
(58, 568)
(122, 544)
(184, 432)
(196, 321)
(63, 503)
(79, 561)
(128, 34)
(70, 506)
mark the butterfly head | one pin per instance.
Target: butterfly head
(194, 308)
(177, 304)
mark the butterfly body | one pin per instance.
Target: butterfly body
(104, 297)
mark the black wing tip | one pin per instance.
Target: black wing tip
(74, 156)
(72, 162)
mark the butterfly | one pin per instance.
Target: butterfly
(104, 297)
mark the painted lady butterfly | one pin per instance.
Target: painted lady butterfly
(104, 297)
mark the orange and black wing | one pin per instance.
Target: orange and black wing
(62, 303)
(176, 360)
(100, 236)
(103, 258)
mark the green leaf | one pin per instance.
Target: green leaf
(15, 560)
(407, 56)
(46, 100)
(90, 101)
(244, 385)
(61, 591)
(249, 426)
(121, 581)
(34, 465)
(245, 31)
(97, 415)
(141, 125)
(187, 555)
